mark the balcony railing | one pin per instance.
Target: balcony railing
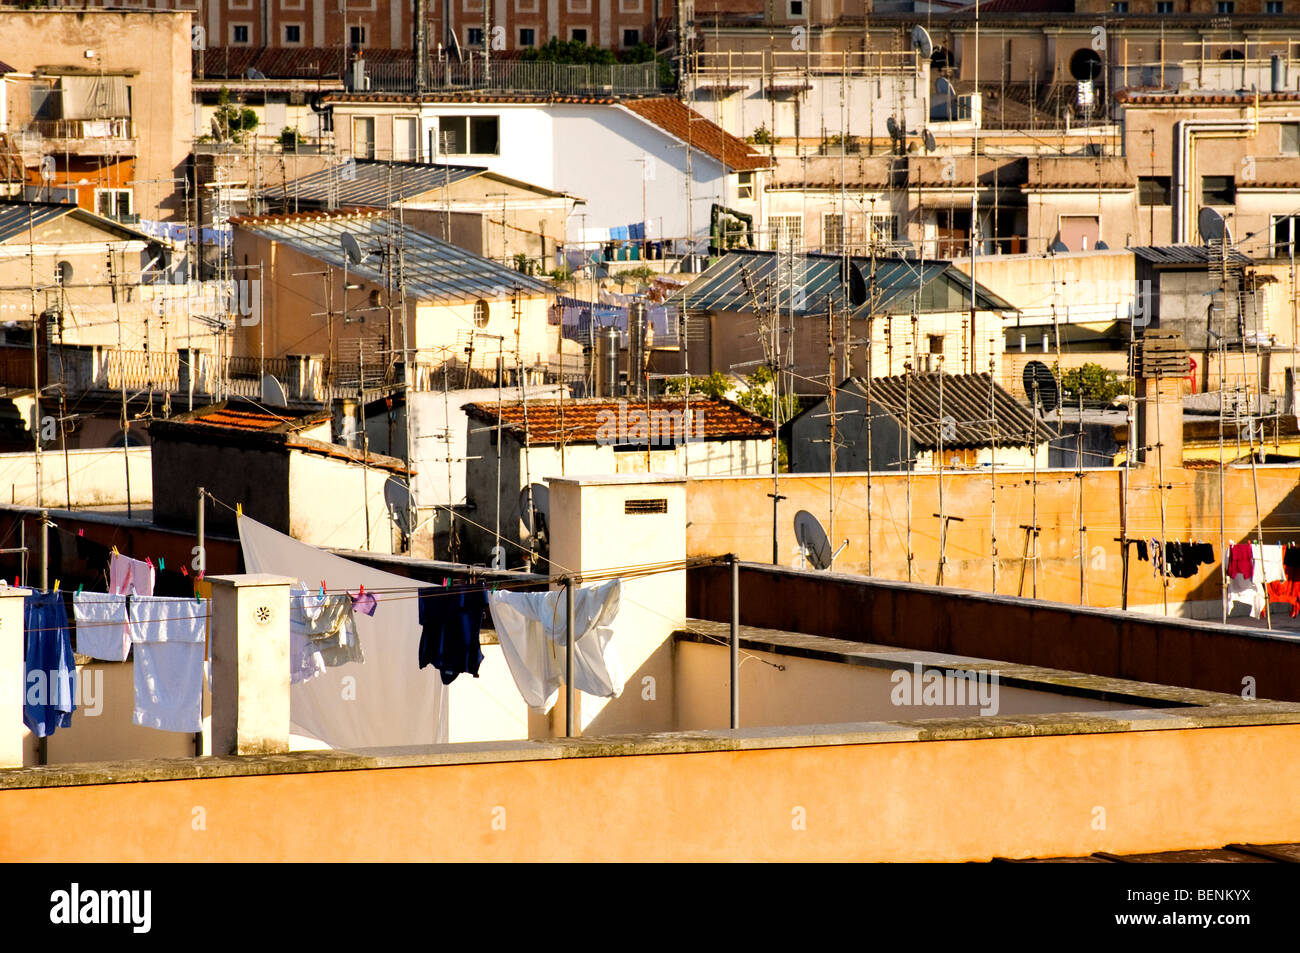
(81, 128)
(606, 79)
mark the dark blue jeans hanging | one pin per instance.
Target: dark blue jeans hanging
(450, 620)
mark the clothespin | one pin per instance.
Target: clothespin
(80, 586)
(239, 509)
(363, 589)
(445, 582)
(201, 572)
(56, 585)
(115, 552)
(185, 570)
(148, 562)
(81, 531)
(161, 563)
(322, 587)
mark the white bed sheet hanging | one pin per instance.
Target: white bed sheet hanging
(388, 700)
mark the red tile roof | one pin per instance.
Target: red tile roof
(583, 420)
(687, 125)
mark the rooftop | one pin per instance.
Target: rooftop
(925, 400)
(581, 421)
(434, 270)
(1199, 255)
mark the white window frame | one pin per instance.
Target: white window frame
(623, 44)
(578, 6)
(586, 32)
(525, 6)
(239, 4)
(803, 9)
(830, 242)
(779, 229)
(629, 6)
(475, 29)
(414, 155)
(365, 35)
(130, 200)
(746, 185)
(882, 227)
(291, 4)
(519, 32)
(284, 34)
(246, 26)
(1281, 139)
(370, 153)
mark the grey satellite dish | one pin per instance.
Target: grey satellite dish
(856, 283)
(944, 88)
(892, 125)
(1057, 247)
(812, 540)
(921, 41)
(1209, 224)
(254, 74)
(928, 137)
(47, 168)
(273, 392)
(63, 273)
(351, 248)
(1100, 246)
(1040, 383)
(540, 499)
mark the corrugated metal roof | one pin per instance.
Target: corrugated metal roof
(1186, 255)
(434, 270)
(16, 216)
(965, 399)
(372, 184)
(818, 278)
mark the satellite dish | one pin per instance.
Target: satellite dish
(273, 392)
(921, 42)
(63, 273)
(1040, 384)
(1209, 224)
(47, 168)
(812, 540)
(539, 497)
(892, 125)
(351, 248)
(857, 284)
(254, 74)
(928, 137)
(1100, 246)
(944, 88)
(1057, 247)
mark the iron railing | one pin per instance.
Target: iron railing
(585, 79)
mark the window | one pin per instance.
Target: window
(882, 229)
(292, 33)
(525, 6)
(291, 4)
(472, 6)
(480, 313)
(1120, 6)
(363, 137)
(1153, 190)
(1218, 190)
(745, 186)
(1273, 6)
(527, 37)
(113, 203)
(239, 34)
(1290, 141)
(631, 37)
(1284, 235)
(795, 9)
(474, 36)
(356, 37)
(832, 232)
(785, 232)
(1224, 6)
(579, 6)
(469, 135)
(1164, 6)
(578, 34)
(629, 6)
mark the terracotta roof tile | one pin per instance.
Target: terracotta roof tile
(687, 125)
(583, 420)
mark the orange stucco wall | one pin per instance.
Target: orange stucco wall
(940, 800)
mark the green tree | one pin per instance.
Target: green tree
(716, 384)
(1094, 382)
(232, 120)
(567, 51)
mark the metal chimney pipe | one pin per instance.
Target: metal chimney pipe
(637, 317)
(421, 48)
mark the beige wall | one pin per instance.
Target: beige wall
(721, 520)
(98, 477)
(1019, 797)
(339, 505)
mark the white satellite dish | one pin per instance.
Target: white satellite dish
(1209, 224)
(944, 88)
(921, 41)
(273, 393)
(814, 545)
(48, 169)
(351, 248)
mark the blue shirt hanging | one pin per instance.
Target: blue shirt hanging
(50, 675)
(450, 620)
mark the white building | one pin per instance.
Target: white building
(651, 161)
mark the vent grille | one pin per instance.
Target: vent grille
(638, 507)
